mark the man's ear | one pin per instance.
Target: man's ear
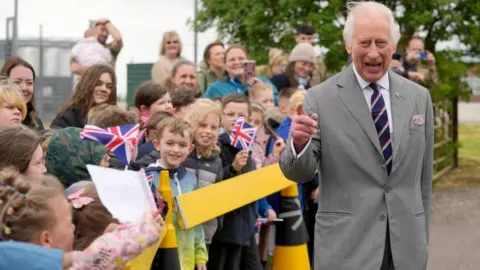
(348, 47)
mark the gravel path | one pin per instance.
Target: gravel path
(455, 230)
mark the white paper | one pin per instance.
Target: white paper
(126, 194)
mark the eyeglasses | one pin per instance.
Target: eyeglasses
(172, 42)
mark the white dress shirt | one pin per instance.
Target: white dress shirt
(383, 87)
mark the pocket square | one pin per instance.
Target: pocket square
(418, 120)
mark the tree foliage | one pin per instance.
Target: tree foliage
(263, 24)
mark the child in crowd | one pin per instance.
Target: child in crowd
(67, 156)
(173, 140)
(263, 136)
(12, 107)
(182, 98)
(261, 93)
(147, 154)
(234, 245)
(112, 116)
(20, 147)
(151, 98)
(204, 161)
(284, 99)
(89, 215)
(39, 214)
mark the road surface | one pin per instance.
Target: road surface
(455, 230)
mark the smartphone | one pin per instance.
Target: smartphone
(249, 69)
(422, 55)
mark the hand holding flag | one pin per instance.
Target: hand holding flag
(121, 140)
(243, 134)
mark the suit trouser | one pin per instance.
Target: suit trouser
(227, 256)
(387, 263)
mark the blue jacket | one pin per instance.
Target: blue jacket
(181, 180)
(25, 256)
(227, 87)
(144, 149)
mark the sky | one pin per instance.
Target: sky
(141, 23)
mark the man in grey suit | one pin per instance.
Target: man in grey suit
(370, 133)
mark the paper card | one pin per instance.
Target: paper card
(126, 194)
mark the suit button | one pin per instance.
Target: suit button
(382, 217)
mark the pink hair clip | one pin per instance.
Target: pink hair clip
(78, 201)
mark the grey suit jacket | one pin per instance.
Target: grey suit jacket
(357, 197)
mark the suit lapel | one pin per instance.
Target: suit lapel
(352, 96)
(399, 104)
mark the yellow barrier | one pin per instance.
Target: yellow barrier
(215, 200)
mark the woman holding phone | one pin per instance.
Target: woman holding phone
(299, 69)
(240, 75)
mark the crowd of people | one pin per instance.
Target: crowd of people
(186, 114)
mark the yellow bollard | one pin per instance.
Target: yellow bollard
(167, 253)
(291, 234)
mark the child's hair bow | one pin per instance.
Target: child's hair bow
(79, 201)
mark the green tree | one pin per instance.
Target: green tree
(263, 24)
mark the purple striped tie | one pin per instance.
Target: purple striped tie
(380, 119)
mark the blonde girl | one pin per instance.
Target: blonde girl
(262, 93)
(264, 134)
(204, 161)
(12, 107)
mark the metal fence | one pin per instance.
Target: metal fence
(446, 136)
(51, 61)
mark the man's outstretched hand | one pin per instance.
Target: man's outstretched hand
(304, 127)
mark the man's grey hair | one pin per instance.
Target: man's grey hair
(361, 8)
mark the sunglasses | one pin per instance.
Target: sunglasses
(172, 42)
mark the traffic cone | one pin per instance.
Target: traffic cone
(166, 257)
(291, 235)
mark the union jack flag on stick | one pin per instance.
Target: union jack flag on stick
(243, 134)
(120, 140)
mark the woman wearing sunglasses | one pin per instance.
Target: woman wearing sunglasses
(170, 52)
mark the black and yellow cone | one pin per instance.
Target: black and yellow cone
(166, 257)
(290, 235)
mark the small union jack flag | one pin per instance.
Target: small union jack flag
(243, 134)
(121, 140)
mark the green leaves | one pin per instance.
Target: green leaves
(263, 24)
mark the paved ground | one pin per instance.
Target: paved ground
(469, 113)
(455, 230)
